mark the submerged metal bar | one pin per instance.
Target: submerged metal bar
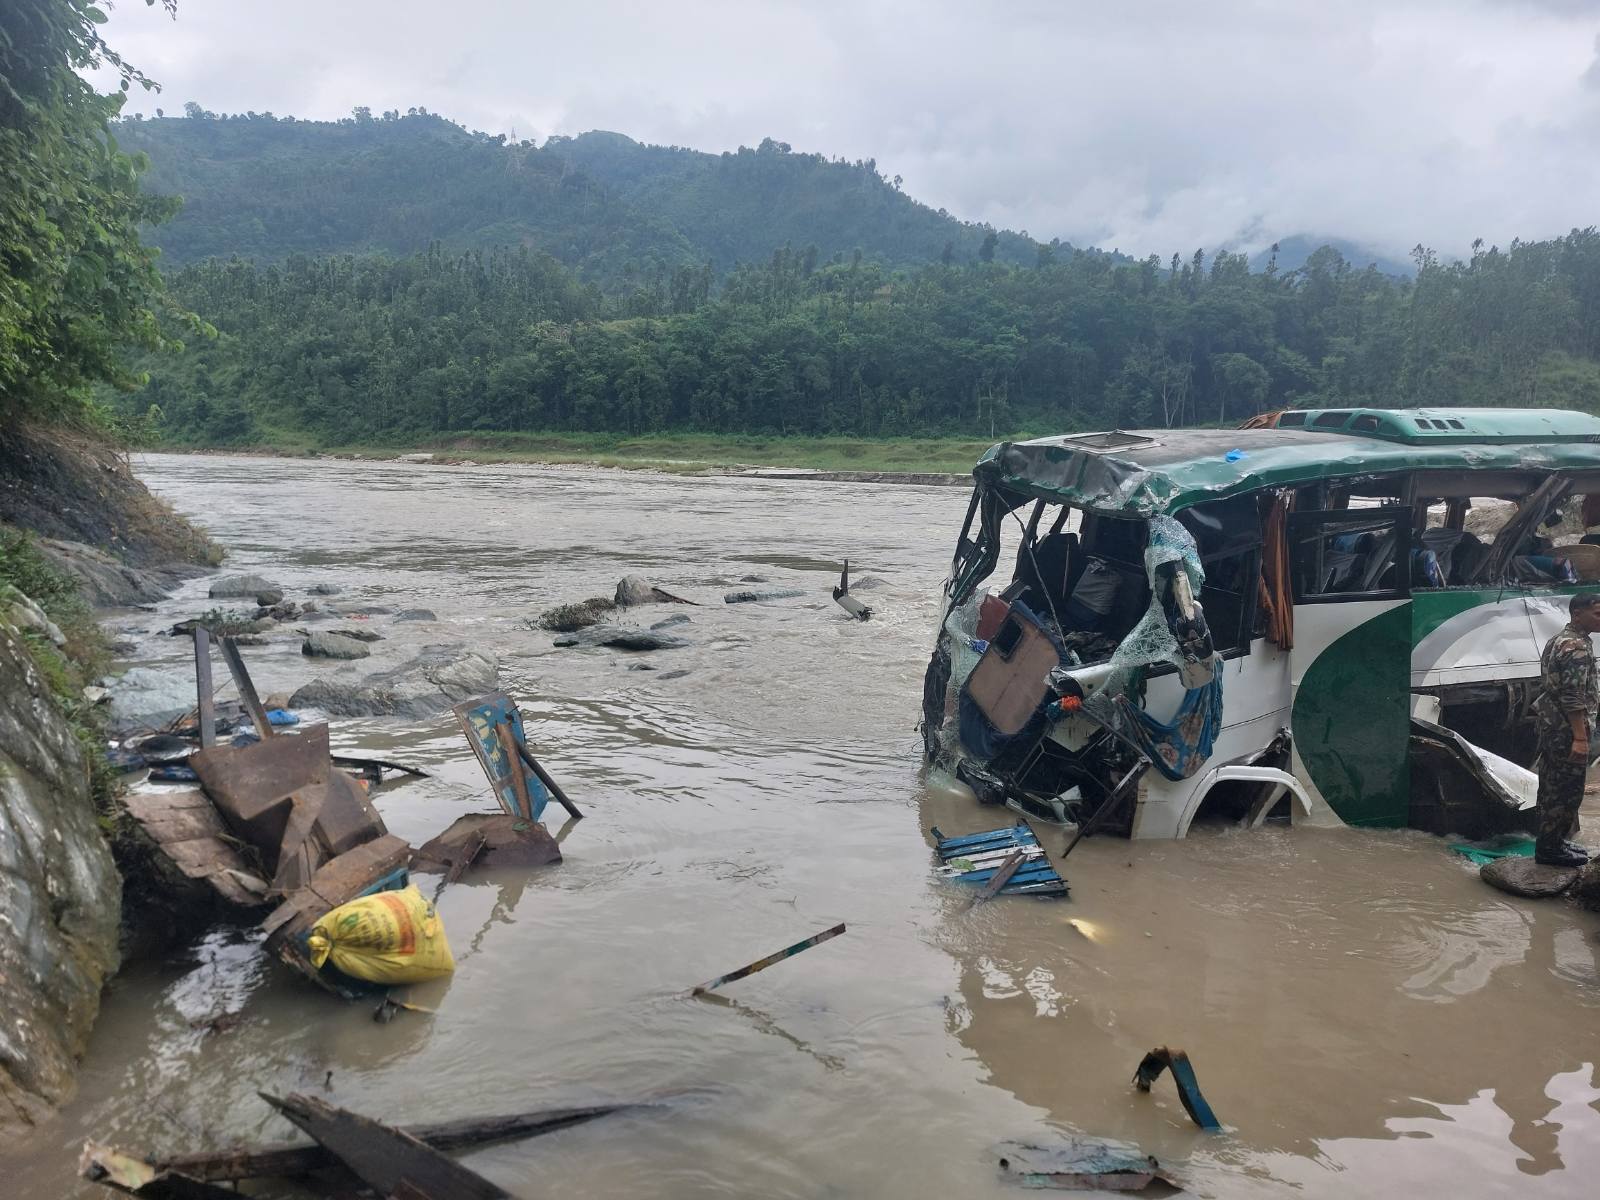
(246, 686)
(203, 687)
(761, 964)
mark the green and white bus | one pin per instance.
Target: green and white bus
(1378, 586)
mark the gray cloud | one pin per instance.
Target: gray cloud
(1152, 125)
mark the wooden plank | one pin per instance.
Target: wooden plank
(285, 1161)
(132, 1176)
(246, 686)
(203, 689)
(761, 964)
(383, 1157)
(999, 879)
(519, 779)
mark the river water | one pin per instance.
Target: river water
(1364, 1015)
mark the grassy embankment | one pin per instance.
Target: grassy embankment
(676, 452)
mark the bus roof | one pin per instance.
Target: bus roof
(1145, 472)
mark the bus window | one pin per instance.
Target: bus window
(1350, 554)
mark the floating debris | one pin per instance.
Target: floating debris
(1082, 1164)
(761, 964)
(1163, 1058)
(843, 598)
(977, 858)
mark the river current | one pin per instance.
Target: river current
(1363, 1014)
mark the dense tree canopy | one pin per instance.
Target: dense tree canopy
(76, 284)
(362, 348)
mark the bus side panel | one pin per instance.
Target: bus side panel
(1351, 713)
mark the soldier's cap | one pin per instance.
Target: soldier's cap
(1583, 601)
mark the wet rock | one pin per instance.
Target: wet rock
(333, 645)
(22, 612)
(355, 632)
(325, 589)
(148, 696)
(1523, 877)
(569, 618)
(232, 586)
(622, 637)
(669, 622)
(642, 666)
(250, 639)
(416, 614)
(107, 583)
(433, 682)
(360, 610)
(60, 897)
(267, 597)
(754, 579)
(747, 597)
(287, 611)
(1586, 889)
(674, 674)
(634, 590)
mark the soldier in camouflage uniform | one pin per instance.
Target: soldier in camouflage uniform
(1568, 694)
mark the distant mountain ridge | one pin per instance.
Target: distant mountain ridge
(264, 188)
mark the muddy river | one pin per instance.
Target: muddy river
(1364, 1015)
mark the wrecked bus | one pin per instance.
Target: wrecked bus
(1335, 616)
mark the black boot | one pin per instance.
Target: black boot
(1561, 856)
(1576, 848)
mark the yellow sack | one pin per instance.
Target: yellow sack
(388, 937)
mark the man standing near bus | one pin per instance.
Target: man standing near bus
(1569, 692)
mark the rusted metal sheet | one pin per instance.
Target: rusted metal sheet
(1082, 1164)
(386, 1159)
(344, 878)
(505, 842)
(256, 787)
(188, 830)
(246, 686)
(204, 692)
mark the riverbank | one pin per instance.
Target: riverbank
(679, 453)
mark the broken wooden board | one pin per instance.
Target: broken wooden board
(507, 842)
(479, 719)
(1164, 1058)
(188, 830)
(284, 1161)
(132, 1176)
(374, 866)
(387, 1159)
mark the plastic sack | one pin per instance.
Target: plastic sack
(388, 937)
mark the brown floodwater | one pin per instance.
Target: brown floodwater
(1364, 1015)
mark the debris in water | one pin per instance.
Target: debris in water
(489, 839)
(761, 964)
(520, 788)
(843, 598)
(1162, 1058)
(386, 1159)
(121, 1172)
(1082, 1164)
(748, 597)
(977, 858)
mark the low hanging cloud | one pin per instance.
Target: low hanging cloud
(1149, 126)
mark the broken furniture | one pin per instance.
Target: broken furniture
(522, 787)
(978, 858)
(843, 598)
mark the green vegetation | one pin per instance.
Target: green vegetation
(76, 284)
(616, 212)
(65, 669)
(363, 349)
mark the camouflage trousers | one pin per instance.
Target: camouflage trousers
(1560, 789)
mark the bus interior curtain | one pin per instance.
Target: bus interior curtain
(1277, 597)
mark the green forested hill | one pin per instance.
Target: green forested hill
(263, 188)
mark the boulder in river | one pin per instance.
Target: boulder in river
(416, 614)
(1522, 876)
(669, 622)
(634, 590)
(622, 637)
(356, 632)
(747, 597)
(267, 597)
(231, 586)
(323, 644)
(324, 589)
(433, 682)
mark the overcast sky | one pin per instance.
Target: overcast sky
(1144, 125)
